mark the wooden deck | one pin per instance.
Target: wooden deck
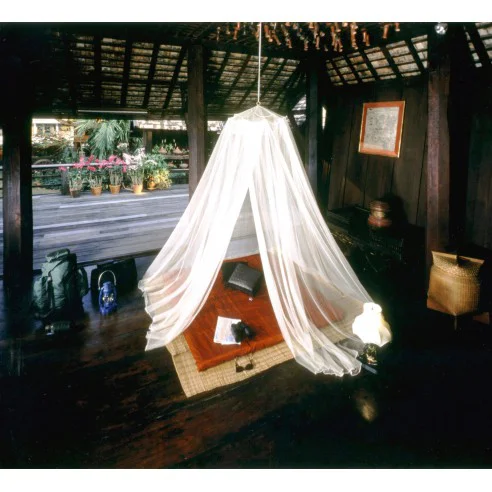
(106, 226)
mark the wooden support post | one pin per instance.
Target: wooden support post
(17, 202)
(313, 121)
(147, 141)
(448, 133)
(196, 117)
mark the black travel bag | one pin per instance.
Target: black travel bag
(125, 273)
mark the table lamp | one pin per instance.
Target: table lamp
(371, 327)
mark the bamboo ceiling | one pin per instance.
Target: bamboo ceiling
(144, 66)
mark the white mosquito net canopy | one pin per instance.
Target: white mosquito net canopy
(254, 197)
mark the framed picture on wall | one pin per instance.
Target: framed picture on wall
(380, 132)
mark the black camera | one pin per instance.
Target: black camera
(240, 331)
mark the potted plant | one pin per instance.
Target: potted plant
(75, 178)
(156, 173)
(136, 175)
(115, 168)
(95, 178)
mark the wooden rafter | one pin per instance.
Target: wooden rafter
(203, 32)
(255, 83)
(349, 64)
(97, 70)
(337, 70)
(415, 56)
(287, 94)
(126, 71)
(214, 83)
(288, 83)
(115, 79)
(150, 78)
(273, 79)
(368, 63)
(479, 46)
(236, 80)
(174, 79)
(391, 62)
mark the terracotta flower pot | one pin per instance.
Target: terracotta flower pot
(150, 184)
(137, 188)
(96, 190)
(75, 193)
(114, 189)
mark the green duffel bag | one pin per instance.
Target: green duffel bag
(58, 292)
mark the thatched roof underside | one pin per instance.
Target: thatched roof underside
(144, 66)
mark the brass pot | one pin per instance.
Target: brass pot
(379, 216)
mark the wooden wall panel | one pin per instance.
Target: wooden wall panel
(479, 198)
(356, 162)
(406, 177)
(408, 168)
(367, 177)
(339, 119)
(379, 175)
(422, 198)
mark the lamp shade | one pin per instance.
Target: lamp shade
(370, 326)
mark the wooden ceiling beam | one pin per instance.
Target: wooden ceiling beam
(368, 63)
(150, 78)
(288, 96)
(391, 62)
(177, 70)
(349, 64)
(126, 71)
(255, 83)
(337, 70)
(479, 45)
(273, 79)
(415, 56)
(296, 73)
(236, 80)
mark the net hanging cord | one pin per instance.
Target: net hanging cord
(259, 62)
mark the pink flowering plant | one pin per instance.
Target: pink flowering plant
(76, 176)
(95, 171)
(116, 168)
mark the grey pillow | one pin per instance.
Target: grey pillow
(245, 279)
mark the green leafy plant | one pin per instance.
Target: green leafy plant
(104, 135)
(156, 172)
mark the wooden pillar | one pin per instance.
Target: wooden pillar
(17, 202)
(16, 102)
(313, 121)
(437, 230)
(196, 117)
(448, 129)
(147, 141)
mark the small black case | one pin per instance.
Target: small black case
(245, 279)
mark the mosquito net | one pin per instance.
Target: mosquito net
(254, 197)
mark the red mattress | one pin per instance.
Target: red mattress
(257, 313)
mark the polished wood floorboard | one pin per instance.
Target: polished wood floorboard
(96, 399)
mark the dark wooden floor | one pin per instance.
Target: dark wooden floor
(105, 226)
(95, 399)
